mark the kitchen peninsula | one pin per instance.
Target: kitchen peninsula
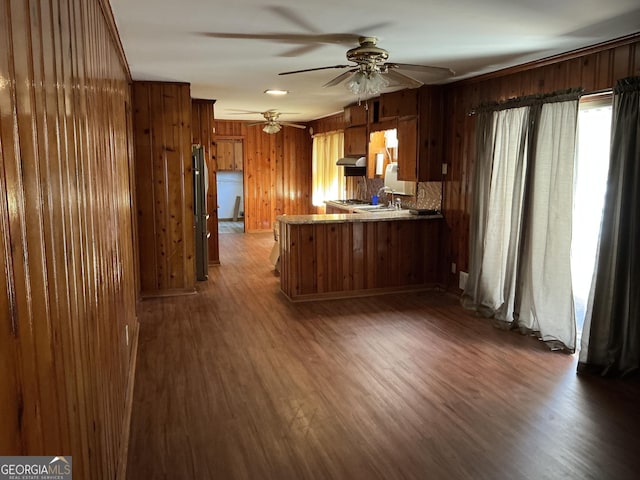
(356, 254)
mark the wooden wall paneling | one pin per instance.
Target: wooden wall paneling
(145, 190)
(31, 273)
(71, 156)
(282, 184)
(295, 172)
(11, 396)
(203, 133)
(164, 187)
(277, 172)
(69, 288)
(331, 123)
(594, 69)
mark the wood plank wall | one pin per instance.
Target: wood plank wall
(68, 290)
(277, 172)
(202, 115)
(331, 123)
(594, 69)
(164, 187)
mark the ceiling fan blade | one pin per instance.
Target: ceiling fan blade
(372, 28)
(235, 111)
(293, 17)
(289, 124)
(314, 69)
(402, 79)
(340, 78)
(252, 124)
(296, 52)
(441, 71)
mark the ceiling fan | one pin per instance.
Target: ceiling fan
(271, 122)
(371, 72)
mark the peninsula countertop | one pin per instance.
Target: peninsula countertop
(358, 215)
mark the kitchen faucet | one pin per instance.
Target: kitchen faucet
(388, 190)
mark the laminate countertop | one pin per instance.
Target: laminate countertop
(353, 213)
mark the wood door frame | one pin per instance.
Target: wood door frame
(240, 139)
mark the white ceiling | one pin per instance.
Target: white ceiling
(164, 40)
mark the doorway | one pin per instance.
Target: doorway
(592, 167)
(230, 183)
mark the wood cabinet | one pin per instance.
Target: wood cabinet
(229, 155)
(356, 137)
(418, 116)
(407, 131)
(356, 140)
(355, 115)
(399, 104)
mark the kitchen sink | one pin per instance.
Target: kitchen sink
(375, 208)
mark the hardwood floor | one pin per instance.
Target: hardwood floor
(238, 383)
(229, 226)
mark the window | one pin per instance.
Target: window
(590, 185)
(327, 178)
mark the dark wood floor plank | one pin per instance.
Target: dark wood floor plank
(238, 383)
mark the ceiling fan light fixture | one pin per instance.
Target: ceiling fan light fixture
(367, 83)
(271, 128)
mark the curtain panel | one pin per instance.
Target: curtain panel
(545, 296)
(327, 179)
(611, 335)
(520, 272)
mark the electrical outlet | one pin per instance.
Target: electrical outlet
(445, 168)
(453, 268)
(126, 334)
(462, 280)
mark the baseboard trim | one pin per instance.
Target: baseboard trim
(121, 473)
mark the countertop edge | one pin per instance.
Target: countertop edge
(353, 218)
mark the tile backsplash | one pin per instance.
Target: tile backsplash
(428, 194)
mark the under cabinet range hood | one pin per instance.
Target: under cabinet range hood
(353, 166)
(352, 162)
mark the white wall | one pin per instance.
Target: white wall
(229, 186)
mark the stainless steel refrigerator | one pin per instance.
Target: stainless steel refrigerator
(200, 183)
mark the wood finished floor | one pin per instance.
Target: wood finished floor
(238, 383)
(229, 226)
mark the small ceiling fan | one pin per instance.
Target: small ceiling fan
(371, 72)
(271, 122)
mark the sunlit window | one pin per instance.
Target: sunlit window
(327, 178)
(592, 166)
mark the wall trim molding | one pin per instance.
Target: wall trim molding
(553, 59)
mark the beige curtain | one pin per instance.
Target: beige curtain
(523, 275)
(544, 279)
(328, 179)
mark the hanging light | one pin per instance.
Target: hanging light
(367, 81)
(271, 127)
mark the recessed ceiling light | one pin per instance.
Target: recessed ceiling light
(276, 92)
